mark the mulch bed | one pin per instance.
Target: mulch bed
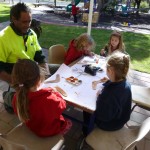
(142, 21)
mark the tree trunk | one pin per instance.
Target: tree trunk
(55, 3)
(138, 2)
(102, 4)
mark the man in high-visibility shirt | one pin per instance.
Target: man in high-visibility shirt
(18, 41)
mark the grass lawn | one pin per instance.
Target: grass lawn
(4, 12)
(137, 45)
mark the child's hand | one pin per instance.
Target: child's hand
(54, 89)
(86, 52)
(105, 79)
(102, 52)
(91, 54)
(98, 92)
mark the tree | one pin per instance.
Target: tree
(137, 2)
(102, 4)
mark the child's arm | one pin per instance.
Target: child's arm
(78, 9)
(88, 53)
(105, 79)
(104, 51)
(99, 92)
(105, 107)
(69, 58)
(59, 104)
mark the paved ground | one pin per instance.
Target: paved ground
(139, 24)
(47, 16)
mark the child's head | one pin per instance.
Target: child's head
(118, 66)
(73, 2)
(25, 76)
(84, 42)
(116, 40)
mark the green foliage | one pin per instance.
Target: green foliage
(144, 4)
(110, 9)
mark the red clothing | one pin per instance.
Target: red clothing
(72, 54)
(74, 9)
(45, 112)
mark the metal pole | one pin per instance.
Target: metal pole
(90, 17)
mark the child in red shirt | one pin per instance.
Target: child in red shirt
(74, 12)
(81, 46)
(40, 109)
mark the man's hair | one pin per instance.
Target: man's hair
(16, 10)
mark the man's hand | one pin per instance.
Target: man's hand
(44, 69)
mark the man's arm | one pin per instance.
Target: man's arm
(5, 71)
(5, 76)
(39, 57)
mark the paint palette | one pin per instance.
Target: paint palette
(73, 80)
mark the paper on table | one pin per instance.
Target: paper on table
(82, 94)
(95, 60)
(88, 59)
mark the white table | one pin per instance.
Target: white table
(141, 97)
(81, 96)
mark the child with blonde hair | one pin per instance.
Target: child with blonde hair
(115, 43)
(81, 46)
(113, 105)
(40, 109)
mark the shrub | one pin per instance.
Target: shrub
(143, 5)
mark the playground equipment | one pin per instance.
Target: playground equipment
(124, 10)
(86, 4)
(69, 7)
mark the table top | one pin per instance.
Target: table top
(141, 95)
(81, 95)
